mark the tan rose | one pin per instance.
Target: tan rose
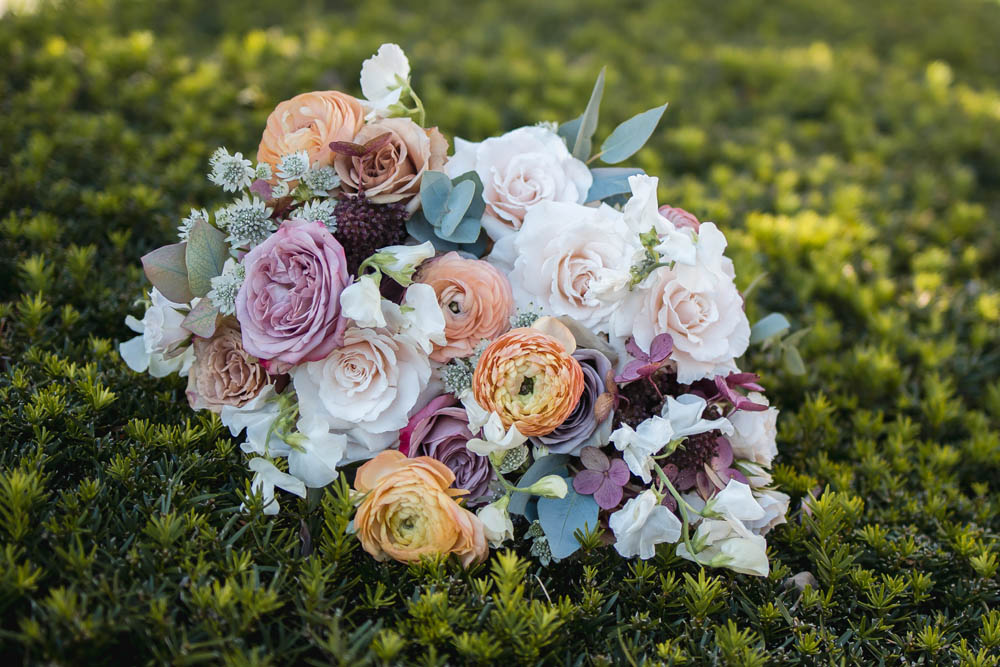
(223, 373)
(476, 300)
(309, 122)
(410, 511)
(392, 172)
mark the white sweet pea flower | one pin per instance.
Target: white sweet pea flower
(420, 316)
(775, 505)
(362, 302)
(642, 524)
(400, 261)
(638, 446)
(728, 543)
(257, 417)
(497, 524)
(754, 437)
(384, 77)
(157, 348)
(641, 214)
(495, 437)
(315, 454)
(685, 416)
(736, 501)
(267, 477)
(550, 486)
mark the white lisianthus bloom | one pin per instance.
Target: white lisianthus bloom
(642, 524)
(316, 452)
(257, 417)
(365, 389)
(685, 416)
(641, 214)
(754, 436)
(156, 348)
(699, 306)
(497, 524)
(569, 259)
(519, 170)
(728, 543)
(267, 477)
(384, 76)
(420, 316)
(735, 501)
(775, 505)
(638, 446)
(362, 302)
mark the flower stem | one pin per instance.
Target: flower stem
(421, 115)
(683, 506)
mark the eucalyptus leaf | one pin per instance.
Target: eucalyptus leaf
(610, 181)
(588, 121)
(467, 231)
(435, 187)
(631, 135)
(569, 130)
(458, 204)
(166, 269)
(202, 319)
(205, 256)
(768, 327)
(418, 227)
(547, 465)
(562, 517)
(478, 205)
(793, 360)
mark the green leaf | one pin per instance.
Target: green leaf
(458, 204)
(478, 205)
(793, 360)
(435, 187)
(631, 135)
(569, 130)
(588, 121)
(467, 231)
(418, 227)
(562, 517)
(205, 256)
(547, 465)
(610, 181)
(768, 327)
(202, 319)
(166, 269)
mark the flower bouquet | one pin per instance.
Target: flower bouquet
(503, 332)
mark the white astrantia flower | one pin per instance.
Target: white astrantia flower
(384, 77)
(322, 210)
(419, 316)
(226, 285)
(497, 524)
(279, 190)
(263, 171)
(321, 180)
(230, 172)
(267, 477)
(362, 302)
(685, 416)
(315, 452)
(188, 223)
(158, 347)
(639, 445)
(728, 543)
(755, 433)
(248, 221)
(257, 417)
(293, 166)
(642, 524)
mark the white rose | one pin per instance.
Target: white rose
(755, 433)
(728, 543)
(520, 169)
(383, 78)
(157, 348)
(699, 306)
(365, 389)
(642, 524)
(570, 260)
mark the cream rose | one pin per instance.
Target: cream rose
(755, 435)
(391, 173)
(309, 122)
(365, 389)
(520, 169)
(570, 260)
(223, 373)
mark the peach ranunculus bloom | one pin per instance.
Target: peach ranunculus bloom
(391, 173)
(223, 373)
(309, 122)
(530, 380)
(410, 511)
(476, 300)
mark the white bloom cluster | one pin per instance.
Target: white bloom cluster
(322, 210)
(248, 221)
(226, 286)
(321, 180)
(188, 223)
(230, 172)
(293, 166)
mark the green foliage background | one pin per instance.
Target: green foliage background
(850, 149)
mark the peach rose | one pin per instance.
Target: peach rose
(476, 300)
(530, 380)
(392, 172)
(410, 512)
(309, 122)
(223, 373)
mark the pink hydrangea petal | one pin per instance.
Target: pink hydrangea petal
(723, 455)
(633, 349)
(661, 347)
(587, 482)
(618, 472)
(608, 495)
(594, 459)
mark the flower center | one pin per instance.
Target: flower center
(527, 386)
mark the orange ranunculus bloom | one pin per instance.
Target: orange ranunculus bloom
(529, 379)
(309, 122)
(410, 511)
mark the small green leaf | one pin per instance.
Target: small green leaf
(793, 360)
(166, 269)
(562, 517)
(467, 231)
(458, 204)
(588, 121)
(610, 181)
(202, 319)
(768, 327)
(568, 131)
(631, 135)
(205, 256)
(478, 205)
(435, 187)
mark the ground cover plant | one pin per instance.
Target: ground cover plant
(852, 149)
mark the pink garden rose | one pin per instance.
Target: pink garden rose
(289, 304)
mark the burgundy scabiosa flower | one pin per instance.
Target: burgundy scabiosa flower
(703, 462)
(363, 227)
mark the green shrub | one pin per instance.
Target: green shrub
(851, 152)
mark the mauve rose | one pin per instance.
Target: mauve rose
(575, 433)
(440, 431)
(222, 372)
(289, 303)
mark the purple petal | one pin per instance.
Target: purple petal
(594, 459)
(733, 473)
(631, 371)
(723, 454)
(725, 390)
(618, 472)
(671, 471)
(261, 188)
(749, 406)
(705, 487)
(661, 347)
(587, 482)
(685, 479)
(608, 495)
(635, 350)
(669, 503)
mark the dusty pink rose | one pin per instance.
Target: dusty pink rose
(223, 373)
(476, 300)
(289, 304)
(392, 172)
